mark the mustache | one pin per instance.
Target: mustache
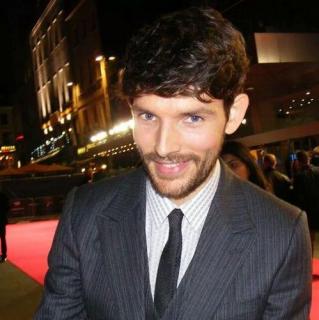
(174, 157)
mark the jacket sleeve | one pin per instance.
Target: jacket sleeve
(290, 294)
(62, 297)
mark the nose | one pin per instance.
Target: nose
(167, 140)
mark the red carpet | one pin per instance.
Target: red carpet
(28, 246)
(29, 243)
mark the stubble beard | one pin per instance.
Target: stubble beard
(163, 185)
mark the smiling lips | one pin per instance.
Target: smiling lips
(170, 168)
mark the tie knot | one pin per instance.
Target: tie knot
(175, 218)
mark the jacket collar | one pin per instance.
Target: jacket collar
(227, 236)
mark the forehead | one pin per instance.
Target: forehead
(228, 157)
(177, 104)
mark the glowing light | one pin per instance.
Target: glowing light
(103, 166)
(112, 58)
(308, 92)
(20, 137)
(70, 84)
(98, 136)
(83, 170)
(122, 127)
(99, 58)
(68, 116)
(244, 121)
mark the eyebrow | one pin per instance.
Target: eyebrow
(195, 110)
(139, 108)
(207, 112)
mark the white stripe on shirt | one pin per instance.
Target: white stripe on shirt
(157, 227)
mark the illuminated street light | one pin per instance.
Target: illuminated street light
(122, 127)
(112, 58)
(99, 58)
(98, 136)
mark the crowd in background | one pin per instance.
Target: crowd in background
(300, 186)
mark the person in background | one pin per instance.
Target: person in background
(239, 158)
(315, 157)
(4, 208)
(183, 237)
(281, 184)
(306, 191)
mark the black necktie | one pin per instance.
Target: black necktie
(168, 269)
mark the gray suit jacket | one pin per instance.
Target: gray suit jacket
(253, 259)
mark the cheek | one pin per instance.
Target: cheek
(242, 172)
(202, 142)
(143, 138)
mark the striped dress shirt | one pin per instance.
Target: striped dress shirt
(157, 227)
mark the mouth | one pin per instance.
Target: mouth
(170, 168)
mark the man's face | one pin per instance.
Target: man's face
(179, 139)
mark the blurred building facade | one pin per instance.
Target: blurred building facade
(73, 80)
(283, 87)
(10, 130)
(85, 122)
(52, 77)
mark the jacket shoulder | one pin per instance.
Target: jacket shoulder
(267, 209)
(85, 202)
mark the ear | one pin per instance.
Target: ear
(236, 113)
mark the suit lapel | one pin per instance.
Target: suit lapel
(225, 240)
(122, 236)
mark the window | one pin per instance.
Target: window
(75, 36)
(83, 29)
(4, 119)
(6, 138)
(93, 21)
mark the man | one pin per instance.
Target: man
(281, 184)
(306, 191)
(4, 208)
(186, 239)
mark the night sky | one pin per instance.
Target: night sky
(18, 16)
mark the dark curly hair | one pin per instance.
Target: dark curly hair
(191, 52)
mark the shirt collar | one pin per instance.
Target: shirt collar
(195, 210)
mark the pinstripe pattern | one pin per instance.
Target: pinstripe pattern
(252, 260)
(157, 227)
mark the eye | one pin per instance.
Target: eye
(193, 118)
(147, 116)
